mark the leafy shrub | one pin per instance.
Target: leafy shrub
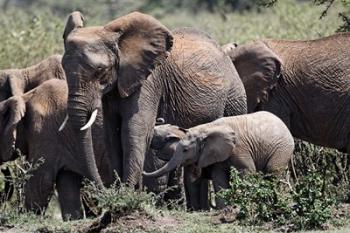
(315, 159)
(313, 201)
(262, 199)
(22, 170)
(118, 199)
(259, 199)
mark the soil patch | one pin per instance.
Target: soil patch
(133, 222)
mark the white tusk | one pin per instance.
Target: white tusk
(63, 123)
(91, 120)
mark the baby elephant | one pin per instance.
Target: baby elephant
(253, 142)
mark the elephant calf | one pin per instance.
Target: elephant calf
(252, 142)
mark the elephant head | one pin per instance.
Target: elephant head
(12, 111)
(115, 58)
(200, 150)
(15, 82)
(165, 139)
(258, 67)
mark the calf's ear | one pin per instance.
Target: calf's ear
(216, 146)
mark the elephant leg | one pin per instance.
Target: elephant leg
(278, 162)
(196, 192)
(220, 177)
(243, 162)
(175, 183)
(8, 185)
(68, 188)
(136, 134)
(39, 189)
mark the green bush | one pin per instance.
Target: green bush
(315, 159)
(259, 199)
(266, 199)
(118, 199)
(313, 200)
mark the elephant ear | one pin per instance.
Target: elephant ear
(143, 43)
(216, 146)
(259, 68)
(12, 111)
(75, 20)
(16, 84)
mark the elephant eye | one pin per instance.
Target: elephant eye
(185, 149)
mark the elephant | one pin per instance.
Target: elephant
(305, 83)
(8, 188)
(138, 70)
(18, 81)
(252, 142)
(15, 82)
(169, 185)
(30, 122)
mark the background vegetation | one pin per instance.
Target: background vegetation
(31, 30)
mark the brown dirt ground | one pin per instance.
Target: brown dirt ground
(134, 222)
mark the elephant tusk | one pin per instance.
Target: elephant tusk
(91, 121)
(63, 123)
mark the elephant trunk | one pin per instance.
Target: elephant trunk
(83, 147)
(174, 162)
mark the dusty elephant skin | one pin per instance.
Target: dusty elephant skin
(30, 122)
(252, 142)
(18, 81)
(14, 82)
(305, 83)
(193, 84)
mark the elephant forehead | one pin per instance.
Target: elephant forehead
(88, 36)
(188, 141)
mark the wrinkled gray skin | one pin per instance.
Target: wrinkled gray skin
(18, 81)
(14, 82)
(305, 83)
(252, 142)
(30, 122)
(159, 153)
(192, 85)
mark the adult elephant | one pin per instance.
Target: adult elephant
(18, 81)
(305, 83)
(127, 64)
(30, 123)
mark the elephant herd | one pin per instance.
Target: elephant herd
(135, 99)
